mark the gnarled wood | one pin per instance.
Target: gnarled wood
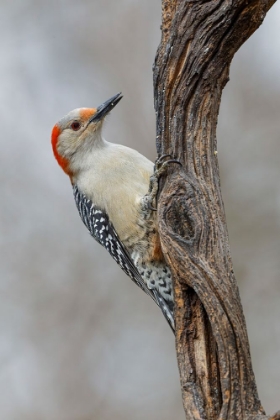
(199, 39)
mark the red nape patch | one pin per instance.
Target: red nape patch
(63, 162)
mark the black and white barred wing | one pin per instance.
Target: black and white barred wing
(101, 229)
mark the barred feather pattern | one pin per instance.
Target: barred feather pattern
(101, 229)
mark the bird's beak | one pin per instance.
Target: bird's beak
(105, 108)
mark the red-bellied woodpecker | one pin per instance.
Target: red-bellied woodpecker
(114, 187)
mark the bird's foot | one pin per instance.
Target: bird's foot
(160, 168)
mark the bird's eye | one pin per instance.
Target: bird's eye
(75, 125)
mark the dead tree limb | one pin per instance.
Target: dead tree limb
(199, 40)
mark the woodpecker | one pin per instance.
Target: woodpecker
(114, 187)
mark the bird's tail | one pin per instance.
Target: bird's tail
(167, 309)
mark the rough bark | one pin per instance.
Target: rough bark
(199, 40)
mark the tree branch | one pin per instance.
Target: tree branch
(199, 40)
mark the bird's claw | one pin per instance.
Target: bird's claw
(171, 161)
(160, 159)
(160, 166)
(159, 169)
(150, 207)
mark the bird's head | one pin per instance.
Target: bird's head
(78, 130)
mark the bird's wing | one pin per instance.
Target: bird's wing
(98, 224)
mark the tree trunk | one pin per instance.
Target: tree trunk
(199, 39)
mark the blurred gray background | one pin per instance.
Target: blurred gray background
(78, 340)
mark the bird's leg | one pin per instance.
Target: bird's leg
(159, 169)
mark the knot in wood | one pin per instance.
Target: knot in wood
(179, 218)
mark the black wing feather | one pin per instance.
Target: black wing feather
(102, 230)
